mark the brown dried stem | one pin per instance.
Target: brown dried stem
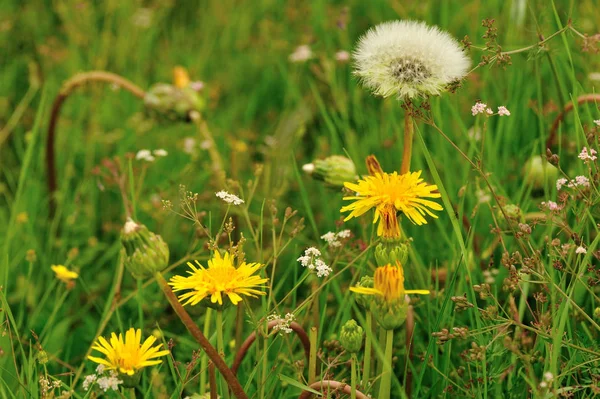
(297, 328)
(67, 88)
(585, 98)
(333, 385)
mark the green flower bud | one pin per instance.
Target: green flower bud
(351, 336)
(597, 313)
(513, 213)
(145, 252)
(364, 301)
(391, 252)
(131, 381)
(539, 173)
(390, 315)
(164, 101)
(334, 170)
(42, 357)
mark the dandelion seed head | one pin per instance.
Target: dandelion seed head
(408, 59)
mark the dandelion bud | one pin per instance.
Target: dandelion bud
(164, 101)
(145, 252)
(334, 170)
(513, 213)
(597, 313)
(351, 336)
(390, 314)
(364, 301)
(391, 253)
(539, 173)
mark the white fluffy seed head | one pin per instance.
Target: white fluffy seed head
(409, 59)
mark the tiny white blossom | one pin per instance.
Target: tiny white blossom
(111, 382)
(145, 155)
(89, 381)
(597, 122)
(551, 205)
(344, 234)
(311, 261)
(548, 376)
(283, 324)
(581, 250)
(312, 251)
(502, 111)
(160, 153)
(543, 384)
(586, 155)
(478, 108)
(197, 85)
(489, 111)
(561, 182)
(301, 54)
(342, 56)
(308, 168)
(229, 198)
(331, 239)
(582, 181)
(322, 269)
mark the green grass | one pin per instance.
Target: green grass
(288, 114)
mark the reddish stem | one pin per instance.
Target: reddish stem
(586, 98)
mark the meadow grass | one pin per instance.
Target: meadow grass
(531, 332)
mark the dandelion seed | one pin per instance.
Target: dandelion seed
(502, 111)
(301, 54)
(160, 153)
(229, 198)
(220, 279)
(586, 155)
(478, 108)
(560, 183)
(409, 59)
(580, 250)
(63, 273)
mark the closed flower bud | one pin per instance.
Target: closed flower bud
(391, 252)
(539, 173)
(513, 213)
(364, 301)
(351, 336)
(390, 314)
(165, 101)
(597, 313)
(145, 253)
(334, 170)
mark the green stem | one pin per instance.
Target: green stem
(367, 357)
(212, 353)
(353, 361)
(204, 359)
(386, 377)
(221, 343)
(409, 131)
(312, 357)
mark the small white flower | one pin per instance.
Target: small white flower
(197, 85)
(229, 198)
(552, 206)
(502, 111)
(160, 153)
(409, 59)
(145, 155)
(330, 238)
(561, 182)
(543, 384)
(308, 168)
(311, 261)
(489, 111)
(597, 122)
(548, 376)
(478, 108)
(112, 382)
(344, 234)
(130, 227)
(312, 251)
(582, 181)
(89, 381)
(283, 324)
(301, 54)
(189, 145)
(581, 250)
(342, 56)
(322, 269)
(587, 156)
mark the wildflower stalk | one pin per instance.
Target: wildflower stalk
(353, 361)
(409, 131)
(210, 351)
(221, 343)
(368, 345)
(386, 377)
(204, 359)
(312, 359)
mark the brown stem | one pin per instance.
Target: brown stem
(325, 385)
(210, 350)
(585, 98)
(66, 89)
(297, 328)
(410, 330)
(212, 381)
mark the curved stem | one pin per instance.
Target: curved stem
(241, 354)
(585, 98)
(409, 131)
(327, 385)
(67, 88)
(210, 351)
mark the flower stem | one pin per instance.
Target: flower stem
(368, 345)
(212, 353)
(221, 343)
(312, 358)
(386, 377)
(408, 142)
(353, 361)
(204, 359)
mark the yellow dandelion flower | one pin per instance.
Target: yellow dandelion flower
(130, 355)
(388, 284)
(220, 278)
(389, 193)
(63, 273)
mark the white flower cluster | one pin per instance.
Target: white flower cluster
(229, 198)
(548, 377)
(481, 108)
(283, 323)
(580, 181)
(311, 261)
(104, 382)
(552, 206)
(150, 156)
(597, 122)
(334, 240)
(587, 155)
(46, 385)
(301, 54)
(580, 250)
